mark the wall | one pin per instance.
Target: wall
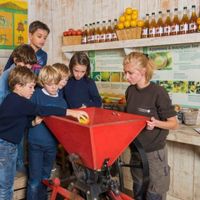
(63, 14)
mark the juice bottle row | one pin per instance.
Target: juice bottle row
(171, 25)
(99, 32)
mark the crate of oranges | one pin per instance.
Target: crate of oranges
(129, 26)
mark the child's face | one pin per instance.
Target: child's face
(38, 38)
(51, 88)
(132, 74)
(79, 71)
(63, 81)
(25, 90)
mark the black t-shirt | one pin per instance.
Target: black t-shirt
(151, 101)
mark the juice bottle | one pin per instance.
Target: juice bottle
(167, 24)
(159, 25)
(145, 29)
(97, 32)
(103, 32)
(109, 32)
(184, 22)
(114, 28)
(85, 34)
(193, 20)
(152, 26)
(175, 27)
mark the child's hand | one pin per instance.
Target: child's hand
(151, 124)
(37, 120)
(78, 114)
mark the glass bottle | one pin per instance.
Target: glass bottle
(193, 20)
(159, 25)
(152, 26)
(85, 34)
(167, 24)
(114, 28)
(103, 32)
(175, 27)
(97, 32)
(145, 28)
(109, 32)
(184, 22)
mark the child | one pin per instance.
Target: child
(23, 55)
(81, 91)
(42, 144)
(146, 98)
(38, 33)
(16, 113)
(64, 72)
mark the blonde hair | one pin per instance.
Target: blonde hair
(48, 74)
(20, 75)
(140, 61)
(61, 68)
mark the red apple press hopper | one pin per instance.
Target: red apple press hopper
(105, 137)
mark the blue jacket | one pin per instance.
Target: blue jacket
(16, 113)
(82, 92)
(40, 134)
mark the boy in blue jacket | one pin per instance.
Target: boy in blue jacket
(16, 114)
(38, 33)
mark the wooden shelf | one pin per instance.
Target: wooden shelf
(136, 43)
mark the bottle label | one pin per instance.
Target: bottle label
(145, 32)
(159, 30)
(84, 40)
(96, 37)
(167, 30)
(102, 37)
(184, 27)
(92, 38)
(108, 36)
(193, 26)
(175, 28)
(114, 36)
(152, 31)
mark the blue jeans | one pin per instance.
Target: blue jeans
(20, 156)
(41, 160)
(8, 157)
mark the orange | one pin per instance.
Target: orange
(120, 26)
(122, 18)
(128, 11)
(134, 16)
(127, 24)
(128, 17)
(133, 23)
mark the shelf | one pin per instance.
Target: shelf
(136, 43)
(5, 53)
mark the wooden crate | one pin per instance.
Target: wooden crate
(129, 33)
(72, 40)
(20, 185)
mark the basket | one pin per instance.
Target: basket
(191, 117)
(130, 33)
(72, 40)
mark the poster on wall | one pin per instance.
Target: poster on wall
(13, 23)
(107, 71)
(178, 69)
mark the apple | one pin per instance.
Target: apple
(84, 121)
(79, 32)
